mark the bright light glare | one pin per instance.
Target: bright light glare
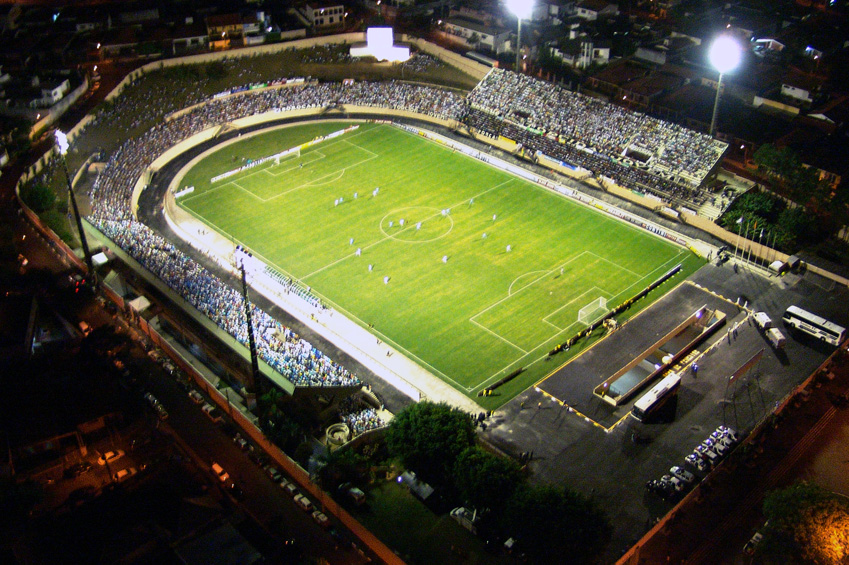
(724, 54)
(521, 8)
(62, 141)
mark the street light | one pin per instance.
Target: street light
(724, 55)
(62, 144)
(522, 10)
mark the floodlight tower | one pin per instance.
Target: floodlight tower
(63, 145)
(523, 10)
(724, 55)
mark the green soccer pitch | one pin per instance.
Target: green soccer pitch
(457, 301)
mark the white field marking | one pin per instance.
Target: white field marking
(270, 171)
(393, 238)
(498, 374)
(498, 302)
(600, 292)
(492, 333)
(617, 265)
(510, 288)
(325, 179)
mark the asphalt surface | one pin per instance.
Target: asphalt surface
(610, 466)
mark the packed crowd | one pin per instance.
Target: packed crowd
(289, 354)
(359, 419)
(587, 122)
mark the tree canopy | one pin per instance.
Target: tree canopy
(429, 437)
(805, 524)
(485, 480)
(556, 522)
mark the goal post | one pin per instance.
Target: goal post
(593, 311)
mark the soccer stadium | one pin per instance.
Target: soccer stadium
(365, 201)
(341, 248)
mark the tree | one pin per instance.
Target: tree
(806, 524)
(340, 466)
(548, 521)
(429, 437)
(40, 198)
(484, 479)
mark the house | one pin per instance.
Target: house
(51, 93)
(801, 88)
(582, 52)
(594, 9)
(475, 34)
(223, 29)
(324, 14)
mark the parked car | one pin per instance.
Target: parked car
(151, 399)
(303, 503)
(212, 413)
(676, 483)
(241, 442)
(161, 412)
(196, 397)
(219, 472)
(706, 454)
(682, 474)
(110, 457)
(291, 489)
(696, 462)
(77, 469)
(124, 474)
(321, 519)
(273, 473)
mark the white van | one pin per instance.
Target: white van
(762, 320)
(776, 338)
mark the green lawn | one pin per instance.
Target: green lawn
(481, 314)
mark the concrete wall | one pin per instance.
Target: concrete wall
(465, 64)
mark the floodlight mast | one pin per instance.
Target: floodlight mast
(724, 55)
(522, 9)
(63, 145)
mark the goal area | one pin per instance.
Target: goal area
(593, 311)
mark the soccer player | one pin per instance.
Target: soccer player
(356, 194)
(418, 225)
(445, 258)
(472, 201)
(391, 223)
(401, 222)
(484, 235)
(386, 280)
(351, 241)
(358, 252)
(509, 248)
(370, 267)
(336, 202)
(493, 217)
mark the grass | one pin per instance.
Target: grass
(418, 535)
(471, 319)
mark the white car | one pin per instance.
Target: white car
(682, 474)
(304, 503)
(110, 457)
(124, 474)
(320, 518)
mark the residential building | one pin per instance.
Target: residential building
(324, 14)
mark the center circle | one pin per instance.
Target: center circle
(417, 224)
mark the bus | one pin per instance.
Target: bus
(813, 325)
(656, 398)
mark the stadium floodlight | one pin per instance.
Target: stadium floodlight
(522, 9)
(62, 144)
(724, 55)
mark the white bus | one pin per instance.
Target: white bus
(813, 325)
(653, 400)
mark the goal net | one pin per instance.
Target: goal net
(593, 311)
